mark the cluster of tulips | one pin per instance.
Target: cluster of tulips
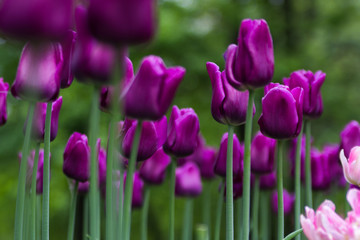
(94, 51)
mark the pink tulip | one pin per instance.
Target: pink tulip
(351, 166)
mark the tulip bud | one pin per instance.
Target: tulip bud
(153, 169)
(350, 137)
(320, 171)
(282, 113)
(38, 73)
(268, 181)
(149, 94)
(77, 158)
(188, 180)
(36, 19)
(153, 136)
(67, 44)
(250, 64)
(4, 88)
(138, 189)
(83, 187)
(351, 166)
(262, 154)
(122, 22)
(183, 132)
(288, 198)
(238, 157)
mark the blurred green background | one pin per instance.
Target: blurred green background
(307, 34)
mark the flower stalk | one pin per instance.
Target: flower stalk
(72, 215)
(279, 179)
(298, 182)
(33, 193)
(229, 186)
(309, 202)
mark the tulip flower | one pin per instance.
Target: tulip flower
(107, 20)
(228, 105)
(92, 60)
(153, 169)
(153, 136)
(77, 157)
(67, 44)
(238, 155)
(36, 19)
(138, 189)
(38, 73)
(351, 166)
(320, 170)
(331, 153)
(289, 200)
(311, 84)
(282, 113)
(183, 132)
(4, 88)
(268, 181)
(188, 180)
(350, 137)
(262, 154)
(149, 94)
(250, 64)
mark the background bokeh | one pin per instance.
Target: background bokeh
(308, 34)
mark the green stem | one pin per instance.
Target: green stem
(38, 217)
(202, 232)
(279, 179)
(121, 203)
(239, 206)
(308, 164)
(72, 214)
(265, 224)
(172, 200)
(255, 216)
(188, 218)
(206, 204)
(33, 193)
(46, 174)
(86, 218)
(247, 166)
(129, 182)
(229, 186)
(144, 213)
(20, 200)
(219, 212)
(27, 216)
(94, 124)
(293, 234)
(298, 181)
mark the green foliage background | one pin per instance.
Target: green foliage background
(308, 34)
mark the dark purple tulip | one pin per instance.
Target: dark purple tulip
(83, 187)
(38, 73)
(320, 170)
(237, 189)
(228, 105)
(153, 136)
(67, 44)
(238, 157)
(289, 200)
(331, 153)
(350, 137)
(282, 111)
(36, 19)
(38, 127)
(4, 88)
(311, 84)
(138, 188)
(77, 158)
(262, 154)
(92, 60)
(149, 94)
(268, 181)
(188, 180)
(183, 132)
(40, 170)
(250, 64)
(153, 169)
(122, 22)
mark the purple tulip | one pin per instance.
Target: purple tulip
(238, 157)
(282, 113)
(83, 187)
(311, 84)
(183, 132)
(153, 136)
(268, 181)
(122, 22)
(237, 190)
(188, 180)
(38, 126)
(262, 154)
(153, 169)
(331, 153)
(77, 158)
(149, 94)
(250, 64)
(138, 189)
(350, 137)
(40, 170)
(36, 19)
(38, 73)
(92, 60)
(289, 200)
(4, 88)
(320, 170)
(228, 105)
(67, 44)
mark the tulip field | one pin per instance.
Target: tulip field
(169, 119)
